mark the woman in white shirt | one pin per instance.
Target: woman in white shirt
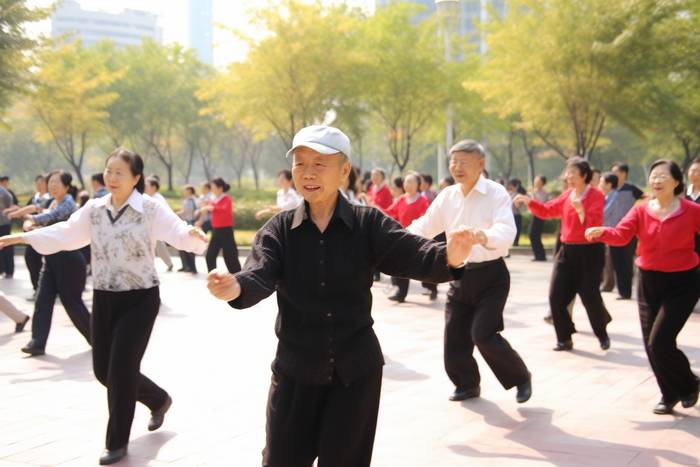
(123, 228)
(287, 197)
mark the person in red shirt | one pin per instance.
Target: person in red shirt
(578, 265)
(407, 208)
(222, 228)
(379, 194)
(668, 278)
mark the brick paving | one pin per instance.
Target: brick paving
(589, 408)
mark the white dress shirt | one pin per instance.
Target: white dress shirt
(289, 200)
(487, 207)
(691, 195)
(161, 199)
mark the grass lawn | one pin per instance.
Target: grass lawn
(244, 237)
(548, 240)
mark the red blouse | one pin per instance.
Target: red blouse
(572, 230)
(406, 213)
(666, 245)
(222, 215)
(381, 198)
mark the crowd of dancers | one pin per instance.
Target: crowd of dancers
(331, 235)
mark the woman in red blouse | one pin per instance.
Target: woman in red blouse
(222, 228)
(668, 278)
(578, 265)
(407, 208)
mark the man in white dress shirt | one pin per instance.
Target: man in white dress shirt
(151, 189)
(474, 308)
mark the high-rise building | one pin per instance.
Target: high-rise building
(422, 16)
(201, 28)
(125, 28)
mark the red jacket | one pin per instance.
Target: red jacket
(572, 231)
(381, 198)
(406, 213)
(666, 245)
(222, 215)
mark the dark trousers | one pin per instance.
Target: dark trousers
(7, 254)
(63, 275)
(222, 238)
(474, 316)
(188, 261)
(121, 326)
(34, 264)
(608, 282)
(518, 227)
(535, 234)
(666, 300)
(622, 259)
(433, 287)
(334, 423)
(402, 285)
(577, 270)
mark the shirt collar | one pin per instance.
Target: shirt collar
(135, 200)
(690, 193)
(342, 211)
(480, 185)
(415, 198)
(583, 195)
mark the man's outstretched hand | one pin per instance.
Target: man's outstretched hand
(223, 285)
(459, 245)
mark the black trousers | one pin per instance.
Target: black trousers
(474, 316)
(188, 261)
(666, 300)
(622, 258)
(222, 238)
(518, 228)
(577, 270)
(7, 254)
(335, 423)
(121, 327)
(442, 237)
(402, 285)
(535, 234)
(63, 275)
(34, 264)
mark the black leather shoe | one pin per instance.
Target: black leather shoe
(548, 319)
(33, 348)
(663, 408)
(568, 345)
(466, 394)
(157, 416)
(524, 391)
(19, 327)
(605, 343)
(692, 399)
(110, 457)
(623, 298)
(433, 295)
(396, 298)
(377, 276)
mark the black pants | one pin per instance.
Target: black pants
(535, 234)
(34, 264)
(222, 238)
(402, 285)
(188, 261)
(334, 423)
(577, 270)
(63, 275)
(666, 300)
(121, 326)
(622, 258)
(474, 316)
(442, 237)
(7, 254)
(518, 227)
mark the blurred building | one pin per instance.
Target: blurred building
(201, 28)
(125, 28)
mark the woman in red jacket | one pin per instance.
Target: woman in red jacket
(222, 228)
(668, 278)
(407, 208)
(578, 265)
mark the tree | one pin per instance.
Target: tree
(20, 153)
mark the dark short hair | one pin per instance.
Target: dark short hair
(583, 167)
(66, 179)
(427, 178)
(4, 178)
(99, 178)
(449, 180)
(287, 174)
(40, 177)
(381, 171)
(621, 166)
(514, 182)
(190, 188)
(675, 173)
(542, 177)
(206, 185)
(610, 177)
(595, 171)
(135, 165)
(221, 184)
(153, 182)
(398, 182)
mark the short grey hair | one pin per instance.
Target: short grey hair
(470, 146)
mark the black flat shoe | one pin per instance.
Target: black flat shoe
(691, 400)
(158, 416)
(524, 391)
(33, 348)
(396, 298)
(466, 394)
(110, 457)
(605, 343)
(548, 319)
(568, 345)
(19, 327)
(433, 295)
(663, 408)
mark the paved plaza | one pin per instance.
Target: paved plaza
(589, 408)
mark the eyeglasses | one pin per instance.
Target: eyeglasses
(659, 177)
(462, 165)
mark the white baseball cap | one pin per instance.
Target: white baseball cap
(323, 139)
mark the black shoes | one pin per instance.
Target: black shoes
(605, 343)
(524, 391)
(466, 394)
(431, 294)
(665, 408)
(19, 327)
(110, 457)
(568, 345)
(692, 399)
(548, 319)
(33, 348)
(396, 298)
(157, 416)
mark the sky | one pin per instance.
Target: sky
(172, 17)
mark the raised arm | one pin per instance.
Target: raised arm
(17, 213)
(168, 227)
(619, 235)
(548, 210)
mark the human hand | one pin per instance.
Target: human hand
(594, 232)
(520, 199)
(10, 211)
(9, 240)
(197, 232)
(223, 285)
(478, 236)
(262, 213)
(459, 246)
(208, 208)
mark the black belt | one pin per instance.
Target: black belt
(483, 264)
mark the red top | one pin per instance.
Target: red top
(572, 230)
(666, 245)
(380, 197)
(406, 213)
(222, 215)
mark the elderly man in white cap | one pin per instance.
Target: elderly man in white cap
(319, 258)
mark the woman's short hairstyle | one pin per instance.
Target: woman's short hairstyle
(398, 182)
(287, 174)
(66, 180)
(135, 165)
(542, 177)
(153, 182)
(610, 177)
(189, 188)
(583, 167)
(675, 173)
